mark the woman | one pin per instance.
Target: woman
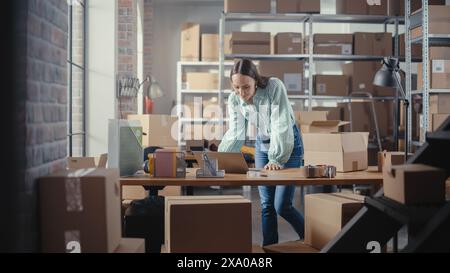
(264, 102)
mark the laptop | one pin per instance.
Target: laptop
(230, 162)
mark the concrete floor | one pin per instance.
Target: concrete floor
(285, 231)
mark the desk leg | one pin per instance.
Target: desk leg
(247, 192)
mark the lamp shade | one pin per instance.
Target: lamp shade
(155, 90)
(386, 75)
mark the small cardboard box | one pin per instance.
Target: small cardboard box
(190, 42)
(440, 77)
(202, 81)
(290, 72)
(208, 224)
(388, 159)
(346, 151)
(75, 163)
(288, 43)
(415, 184)
(80, 211)
(131, 245)
(316, 122)
(254, 6)
(298, 6)
(290, 247)
(250, 43)
(331, 85)
(325, 38)
(159, 130)
(327, 214)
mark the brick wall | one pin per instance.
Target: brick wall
(127, 49)
(148, 36)
(45, 99)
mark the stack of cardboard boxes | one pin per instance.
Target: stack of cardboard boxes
(80, 213)
(208, 224)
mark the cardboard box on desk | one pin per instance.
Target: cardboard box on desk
(288, 43)
(250, 43)
(190, 42)
(254, 6)
(333, 113)
(80, 210)
(289, 72)
(316, 122)
(131, 245)
(388, 159)
(298, 6)
(199, 224)
(327, 214)
(346, 151)
(415, 184)
(159, 130)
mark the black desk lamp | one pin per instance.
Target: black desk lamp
(389, 76)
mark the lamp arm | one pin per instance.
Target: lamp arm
(400, 87)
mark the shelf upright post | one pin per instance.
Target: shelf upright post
(426, 69)
(408, 57)
(221, 67)
(310, 62)
(180, 104)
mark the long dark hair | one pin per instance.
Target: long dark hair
(248, 68)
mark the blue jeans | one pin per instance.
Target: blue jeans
(277, 200)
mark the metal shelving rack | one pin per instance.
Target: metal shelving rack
(308, 20)
(427, 40)
(182, 92)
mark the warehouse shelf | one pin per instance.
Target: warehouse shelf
(203, 92)
(186, 63)
(202, 120)
(269, 17)
(294, 57)
(432, 91)
(434, 40)
(336, 98)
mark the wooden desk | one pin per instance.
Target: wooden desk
(284, 177)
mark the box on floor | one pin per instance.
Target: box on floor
(203, 224)
(298, 6)
(327, 214)
(346, 151)
(159, 130)
(290, 72)
(80, 210)
(415, 184)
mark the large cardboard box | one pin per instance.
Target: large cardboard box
(440, 104)
(317, 122)
(290, 72)
(437, 120)
(363, 119)
(346, 151)
(333, 38)
(438, 23)
(131, 245)
(440, 77)
(254, 6)
(327, 214)
(362, 7)
(288, 43)
(199, 224)
(75, 163)
(250, 43)
(331, 85)
(80, 211)
(202, 81)
(335, 44)
(159, 130)
(415, 184)
(210, 47)
(190, 42)
(290, 247)
(298, 6)
(361, 78)
(373, 44)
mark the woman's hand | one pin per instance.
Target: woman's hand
(273, 167)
